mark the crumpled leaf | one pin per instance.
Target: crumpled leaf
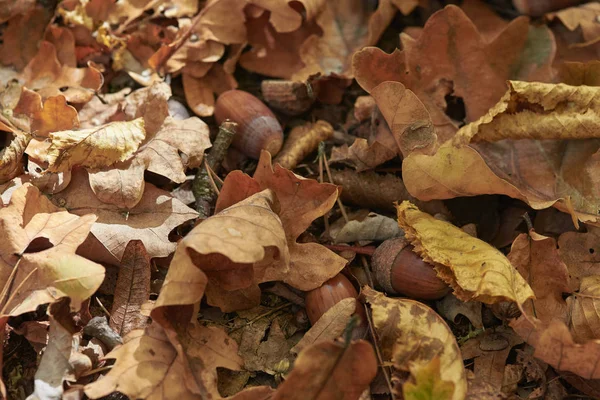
(150, 221)
(473, 268)
(329, 326)
(132, 290)
(450, 307)
(411, 335)
(169, 372)
(361, 155)
(11, 157)
(428, 384)
(95, 147)
(451, 57)
(585, 318)
(39, 265)
(535, 178)
(537, 260)
(330, 370)
(584, 17)
(368, 226)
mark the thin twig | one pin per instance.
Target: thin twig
(210, 178)
(9, 282)
(103, 308)
(12, 296)
(339, 201)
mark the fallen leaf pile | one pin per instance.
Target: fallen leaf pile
(429, 229)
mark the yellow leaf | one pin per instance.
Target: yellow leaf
(95, 148)
(428, 384)
(475, 270)
(412, 335)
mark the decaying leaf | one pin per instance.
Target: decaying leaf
(581, 254)
(330, 370)
(132, 290)
(428, 384)
(585, 319)
(412, 335)
(39, 265)
(474, 269)
(365, 226)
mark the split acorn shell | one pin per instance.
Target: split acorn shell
(399, 270)
(258, 128)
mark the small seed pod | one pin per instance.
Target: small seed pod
(321, 299)
(399, 270)
(288, 97)
(258, 129)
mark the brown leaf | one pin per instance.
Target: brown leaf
(11, 157)
(433, 66)
(584, 17)
(132, 290)
(581, 254)
(150, 220)
(329, 326)
(577, 73)
(169, 372)
(537, 260)
(200, 91)
(411, 334)
(56, 115)
(21, 36)
(10, 8)
(362, 156)
(585, 319)
(330, 370)
(474, 269)
(40, 265)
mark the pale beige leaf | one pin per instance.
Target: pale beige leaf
(11, 157)
(474, 269)
(585, 310)
(95, 147)
(132, 290)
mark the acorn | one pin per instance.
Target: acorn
(321, 299)
(258, 129)
(289, 97)
(399, 270)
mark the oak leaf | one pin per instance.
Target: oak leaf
(55, 115)
(21, 37)
(169, 371)
(150, 220)
(411, 335)
(474, 269)
(584, 17)
(40, 265)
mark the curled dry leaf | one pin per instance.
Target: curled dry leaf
(329, 326)
(11, 157)
(474, 269)
(584, 17)
(39, 265)
(585, 319)
(450, 307)
(411, 335)
(170, 371)
(368, 226)
(151, 220)
(330, 370)
(361, 155)
(302, 141)
(534, 178)
(95, 147)
(132, 290)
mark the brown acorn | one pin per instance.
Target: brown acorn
(258, 128)
(321, 299)
(399, 270)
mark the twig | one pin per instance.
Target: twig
(203, 186)
(378, 351)
(103, 308)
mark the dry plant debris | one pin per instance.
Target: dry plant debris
(159, 241)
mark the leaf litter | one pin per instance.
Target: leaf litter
(143, 255)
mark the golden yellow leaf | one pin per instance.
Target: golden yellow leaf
(534, 110)
(56, 116)
(428, 383)
(97, 147)
(411, 335)
(474, 269)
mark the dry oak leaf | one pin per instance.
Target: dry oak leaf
(21, 37)
(548, 172)
(55, 115)
(233, 250)
(39, 264)
(151, 220)
(132, 290)
(537, 260)
(581, 253)
(451, 57)
(474, 269)
(361, 155)
(428, 383)
(330, 370)
(584, 17)
(555, 346)
(11, 8)
(578, 73)
(149, 366)
(411, 335)
(584, 306)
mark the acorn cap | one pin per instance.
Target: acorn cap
(384, 258)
